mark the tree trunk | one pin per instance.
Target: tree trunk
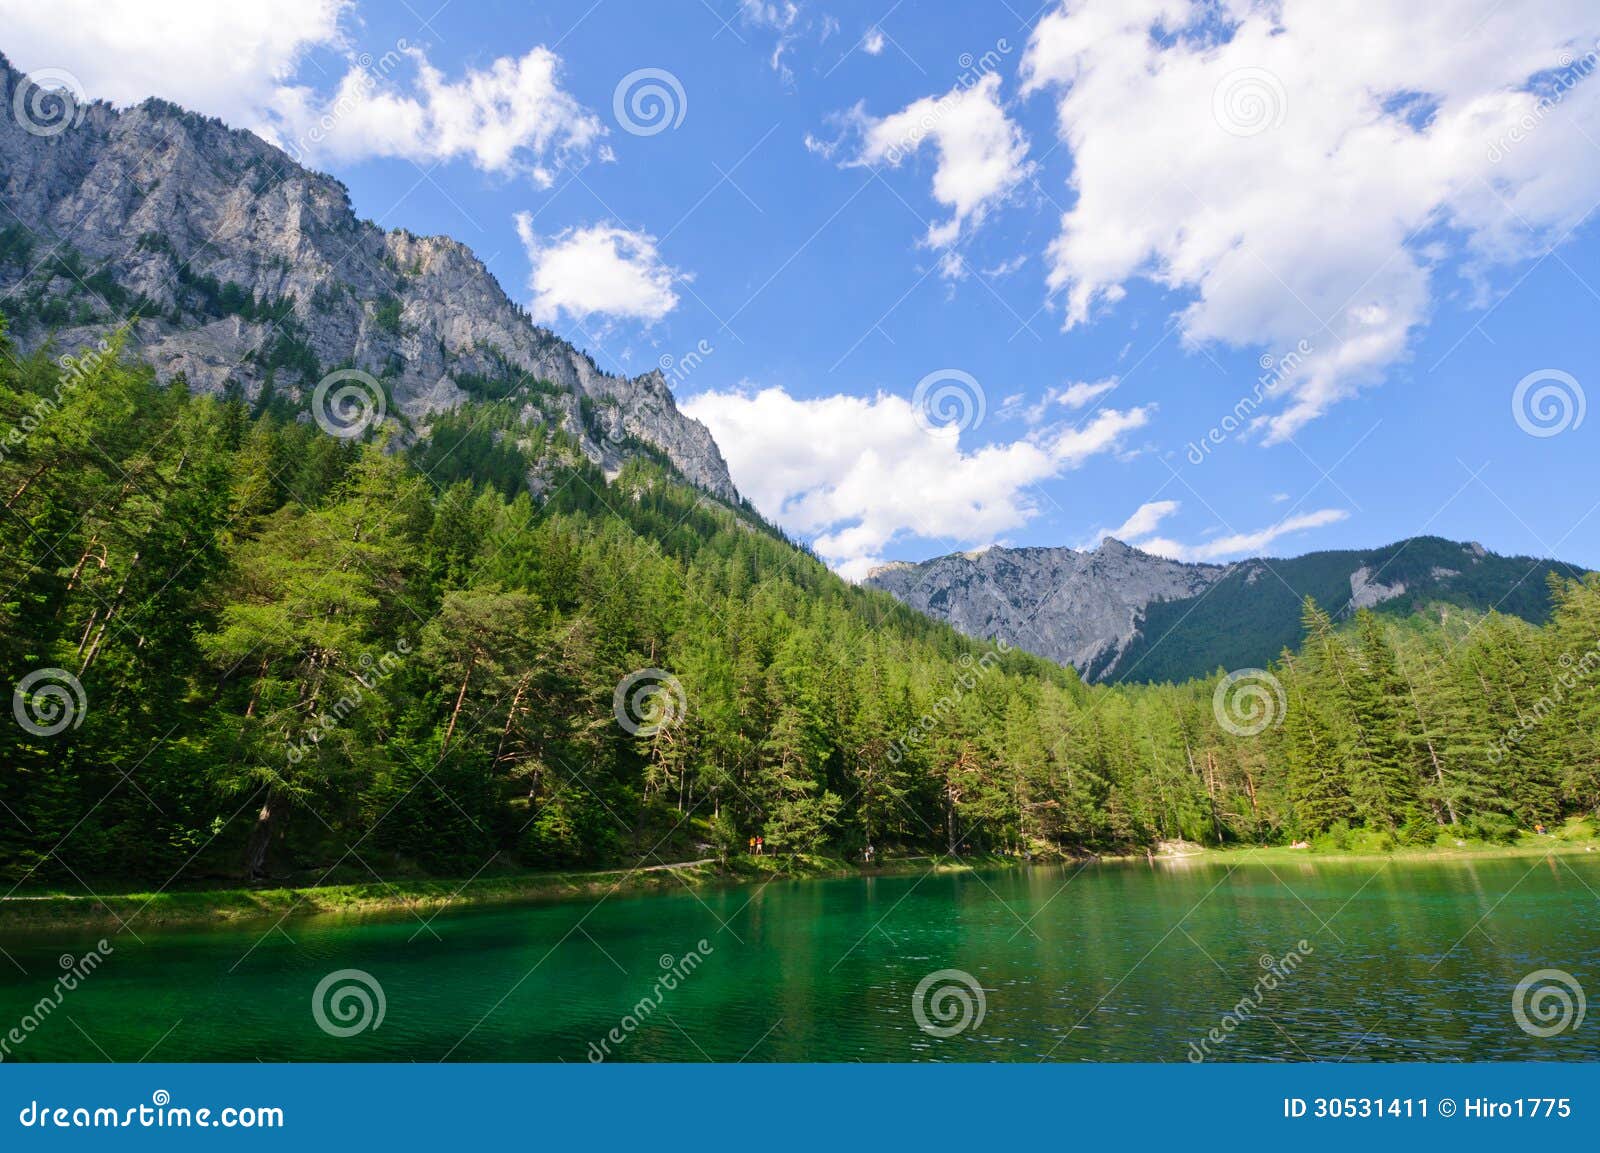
(88, 551)
(511, 716)
(255, 854)
(255, 693)
(950, 817)
(27, 484)
(455, 713)
(1211, 792)
(105, 621)
(1433, 755)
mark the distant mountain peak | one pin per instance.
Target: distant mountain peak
(1117, 612)
(1079, 608)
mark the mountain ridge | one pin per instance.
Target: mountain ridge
(1117, 613)
(238, 264)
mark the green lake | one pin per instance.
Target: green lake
(1118, 962)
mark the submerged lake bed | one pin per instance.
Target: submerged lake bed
(1124, 961)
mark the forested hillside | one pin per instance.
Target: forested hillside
(1256, 608)
(237, 645)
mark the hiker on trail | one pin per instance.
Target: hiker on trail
(760, 844)
(752, 846)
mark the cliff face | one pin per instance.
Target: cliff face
(240, 263)
(1078, 608)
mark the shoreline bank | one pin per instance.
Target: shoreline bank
(222, 907)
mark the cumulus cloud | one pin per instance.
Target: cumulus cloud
(1297, 166)
(223, 59)
(243, 63)
(854, 474)
(981, 153)
(511, 117)
(598, 270)
(872, 41)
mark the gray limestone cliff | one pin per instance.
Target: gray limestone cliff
(1077, 608)
(237, 262)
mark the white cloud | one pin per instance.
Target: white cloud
(1081, 392)
(872, 41)
(1006, 267)
(600, 270)
(762, 13)
(243, 63)
(782, 18)
(1071, 396)
(982, 154)
(512, 116)
(1239, 544)
(222, 59)
(1145, 520)
(1140, 530)
(854, 474)
(820, 147)
(1295, 162)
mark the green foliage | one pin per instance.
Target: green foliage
(476, 442)
(293, 648)
(1256, 609)
(208, 296)
(386, 315)
(288, 352)
(63, 288)
(16, 244)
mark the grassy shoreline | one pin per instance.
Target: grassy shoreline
(1279, 854)
(1577, 836)
(219, 907)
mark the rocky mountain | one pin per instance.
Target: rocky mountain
(1078, 608)
(1116, 613)
(233, 263)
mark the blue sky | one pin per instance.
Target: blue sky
(1114, 214)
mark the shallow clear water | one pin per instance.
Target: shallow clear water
(1108, 962)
